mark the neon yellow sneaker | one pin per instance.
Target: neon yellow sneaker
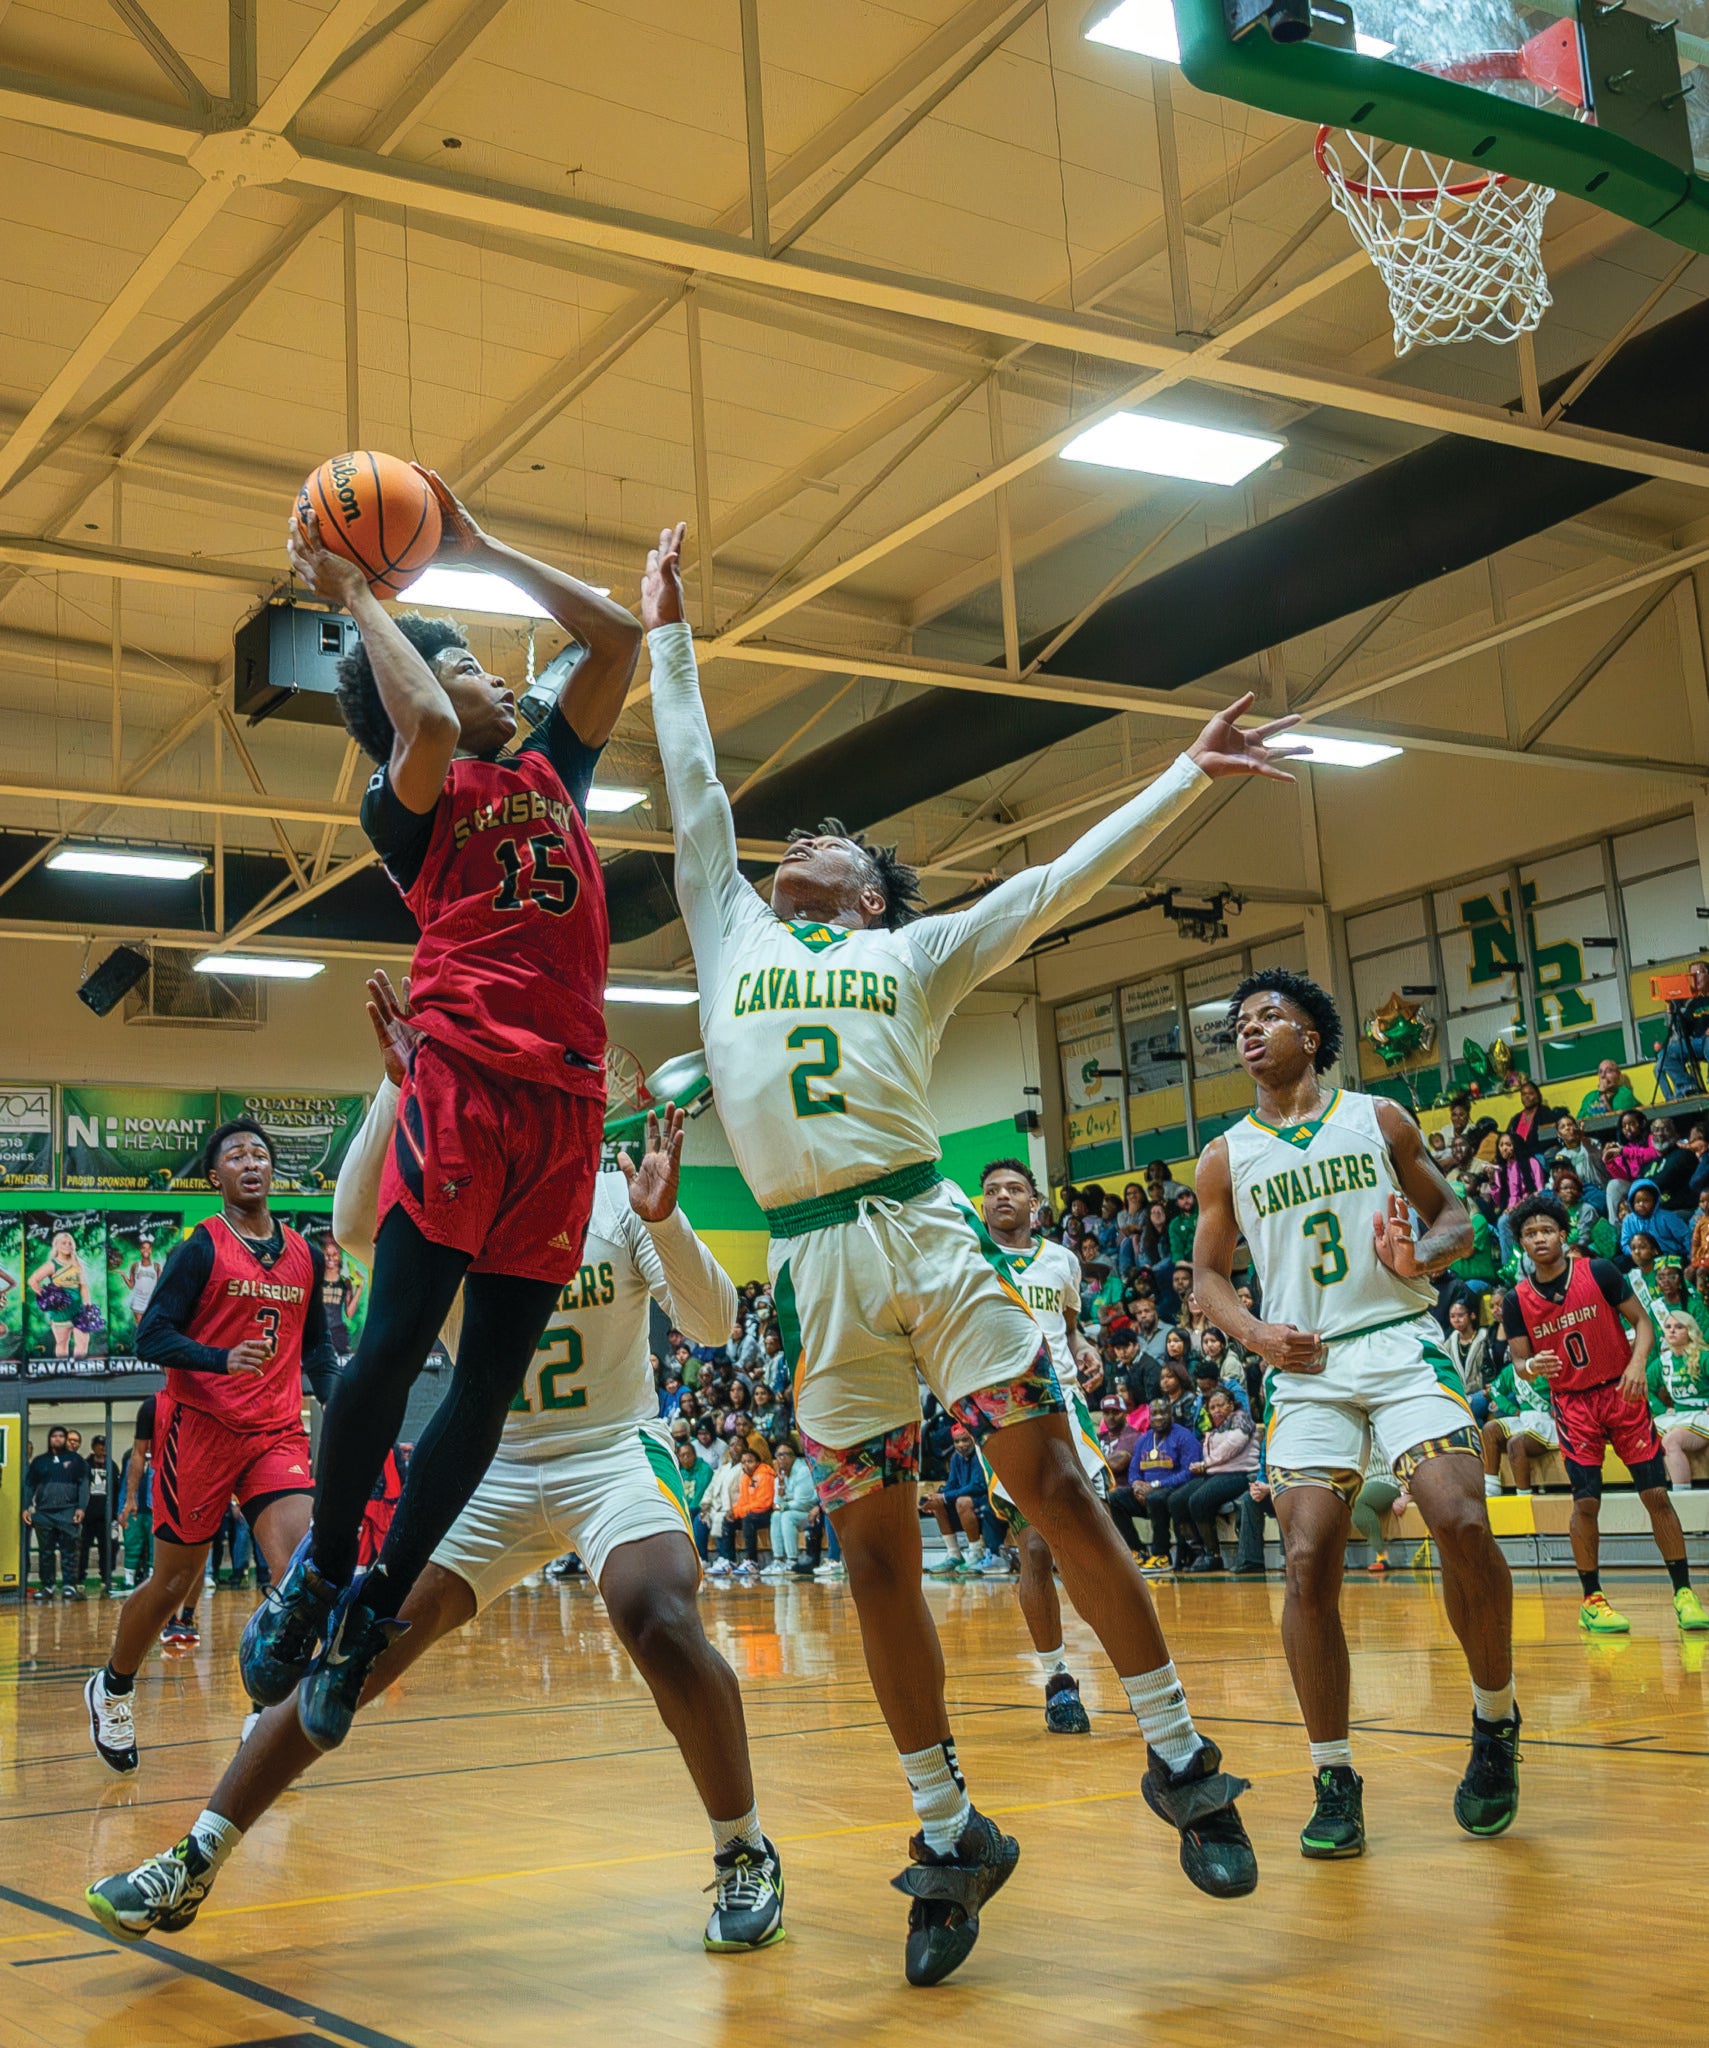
(1689, 1609)
(1597, 1618)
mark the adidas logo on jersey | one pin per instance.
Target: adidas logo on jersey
(563, 1242)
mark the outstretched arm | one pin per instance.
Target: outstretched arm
(709, 884)
(960, 950)
(686, 1280)
(592, 699)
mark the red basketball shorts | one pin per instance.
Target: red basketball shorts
(200, 1465)
(1594, 1418)
(499, 1168)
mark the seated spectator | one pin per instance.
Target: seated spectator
(1444, 1139)
(1610, 1095)
(770, 1419)
(1468, 1347)
(749, 1515)
(963, 1508)
(1159, 1187)
(1207, 1379)
(1679, 1395)
(1644, 1217)
(1627, 1158)
(1223, 1472)
(1183, 1225)
(1254, 1505)
(796, 1501)
(1158, 1471)
(1094, 1273)
(670, 1399)
(1109, 1233)
(1153, 1251)
(694, 1478)
(743, 1348)
(1521, 1422)
(1117, 1435)
(1175, 1377)
(1700, 1242)
(1534, 1124)
(1380, 1492)
(740, 1416)
(715, 1505)
(1590, 1230)
(1642, 1250)
(1518, 1176)
(1674, 1169)
(708, 1446)
(1673, 1294)
(1583, 1155)
(1215, 1350)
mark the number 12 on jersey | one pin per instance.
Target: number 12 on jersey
(557, 1358)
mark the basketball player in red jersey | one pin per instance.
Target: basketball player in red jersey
(1567, 1325)
(490, 1180)
(234, 1321)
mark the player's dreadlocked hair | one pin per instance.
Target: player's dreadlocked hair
(894, 879)
(359, 695)
(1305, 995)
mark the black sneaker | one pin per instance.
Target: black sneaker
(1198, 1800)
(161, 1896)
(280, 1637)
(1486, 1801)
(749, 1911)
(946, 1893)
(1064, 1714)
(1337, 1825)
(356, 1639)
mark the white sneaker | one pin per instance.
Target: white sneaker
(777, 1571)
(531, 1579)
(830, 1571)
(996, 1566)
(111, 1728)
(719, 1568)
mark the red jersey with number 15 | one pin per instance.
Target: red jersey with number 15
(511, 965)
(243, 1299)
(1583, 1331)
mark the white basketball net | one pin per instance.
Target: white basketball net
(1460, 252)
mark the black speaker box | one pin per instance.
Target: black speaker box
(287, 659)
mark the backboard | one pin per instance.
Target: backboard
(1607, 102)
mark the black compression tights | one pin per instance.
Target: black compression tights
(415, 1282)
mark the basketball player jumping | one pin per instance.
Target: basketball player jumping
(1047, 1277)
(234, 1321)
(1321, 1185)
(1566, 1326)
(489, 1181)
(585, 1465)
(821, 1015)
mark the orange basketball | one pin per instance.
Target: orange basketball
(378, 513)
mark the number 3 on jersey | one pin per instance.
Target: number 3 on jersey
(558, 1357)
(800, 1076)
(1331, 1262)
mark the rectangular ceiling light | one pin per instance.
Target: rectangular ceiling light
(141, 867)
(669, 997)
(1317, 746)
(1203, 455)
(475, 590)
(612, 799)
(266, 966)
(1147, 28)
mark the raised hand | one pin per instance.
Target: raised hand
(653, 1184)
(459, 535)
(332, 577)
(1394, 1245)
(1223, 749)
(389, 1016)
(661, 585)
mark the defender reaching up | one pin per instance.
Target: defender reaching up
(821, 1015)
(1322, 1185)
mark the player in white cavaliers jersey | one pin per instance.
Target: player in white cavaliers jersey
(1047, 1277)
(1323, 1184)
(584, 1465)
(821, 1013)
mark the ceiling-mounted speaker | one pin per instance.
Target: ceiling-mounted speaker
(114, 979)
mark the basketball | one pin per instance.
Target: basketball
(377, 512)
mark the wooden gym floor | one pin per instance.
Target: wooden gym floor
(508, 1850)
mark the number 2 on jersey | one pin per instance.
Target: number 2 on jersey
(1331, 1264)
(557, 1357)
(829, 1060)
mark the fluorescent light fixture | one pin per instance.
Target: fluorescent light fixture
(265, 966)
(1147, 28)
(1204, 455)
(475, 590)
(1316, 746)
(142, 867)
(612, 799)
(673, 998)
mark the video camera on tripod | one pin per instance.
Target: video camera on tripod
(1687, 1024)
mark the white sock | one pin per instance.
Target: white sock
(727, 1833)
(215, 1838)
(952, 1543)
(1326, 1755)
(1492, 1486)
(1494, 1703)
(940, 1795)
(1052, 1663)
(1160, 1707)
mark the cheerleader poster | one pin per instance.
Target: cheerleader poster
(65, 1285)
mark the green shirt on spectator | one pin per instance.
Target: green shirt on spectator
(1181, 1229)
(1480, 1263)
(1593, 1104)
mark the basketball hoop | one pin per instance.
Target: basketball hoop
(625, 1084)
(1461, 251)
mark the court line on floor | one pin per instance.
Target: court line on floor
(353, 2032)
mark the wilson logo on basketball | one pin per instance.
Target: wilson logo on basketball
(344, 489)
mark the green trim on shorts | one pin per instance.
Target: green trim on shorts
(825, 1212)
(667, 1472)
(1371, 1329)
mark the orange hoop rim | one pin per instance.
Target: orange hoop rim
(1493, 65)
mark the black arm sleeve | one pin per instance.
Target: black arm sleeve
(397, 834)
(320, 1361)
(1513, 1316)
(161, 1339)
(1615, 1286)
(571, 755)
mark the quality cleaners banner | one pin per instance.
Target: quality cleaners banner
(310, 1134)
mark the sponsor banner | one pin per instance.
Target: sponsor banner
(12, 1295)
(1151, 1029)
(139, 1242)
(65, 1283)
(310, 1134)
(345, 1293)
(26, 1134)
(134, 1139)
(1091, 1063)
